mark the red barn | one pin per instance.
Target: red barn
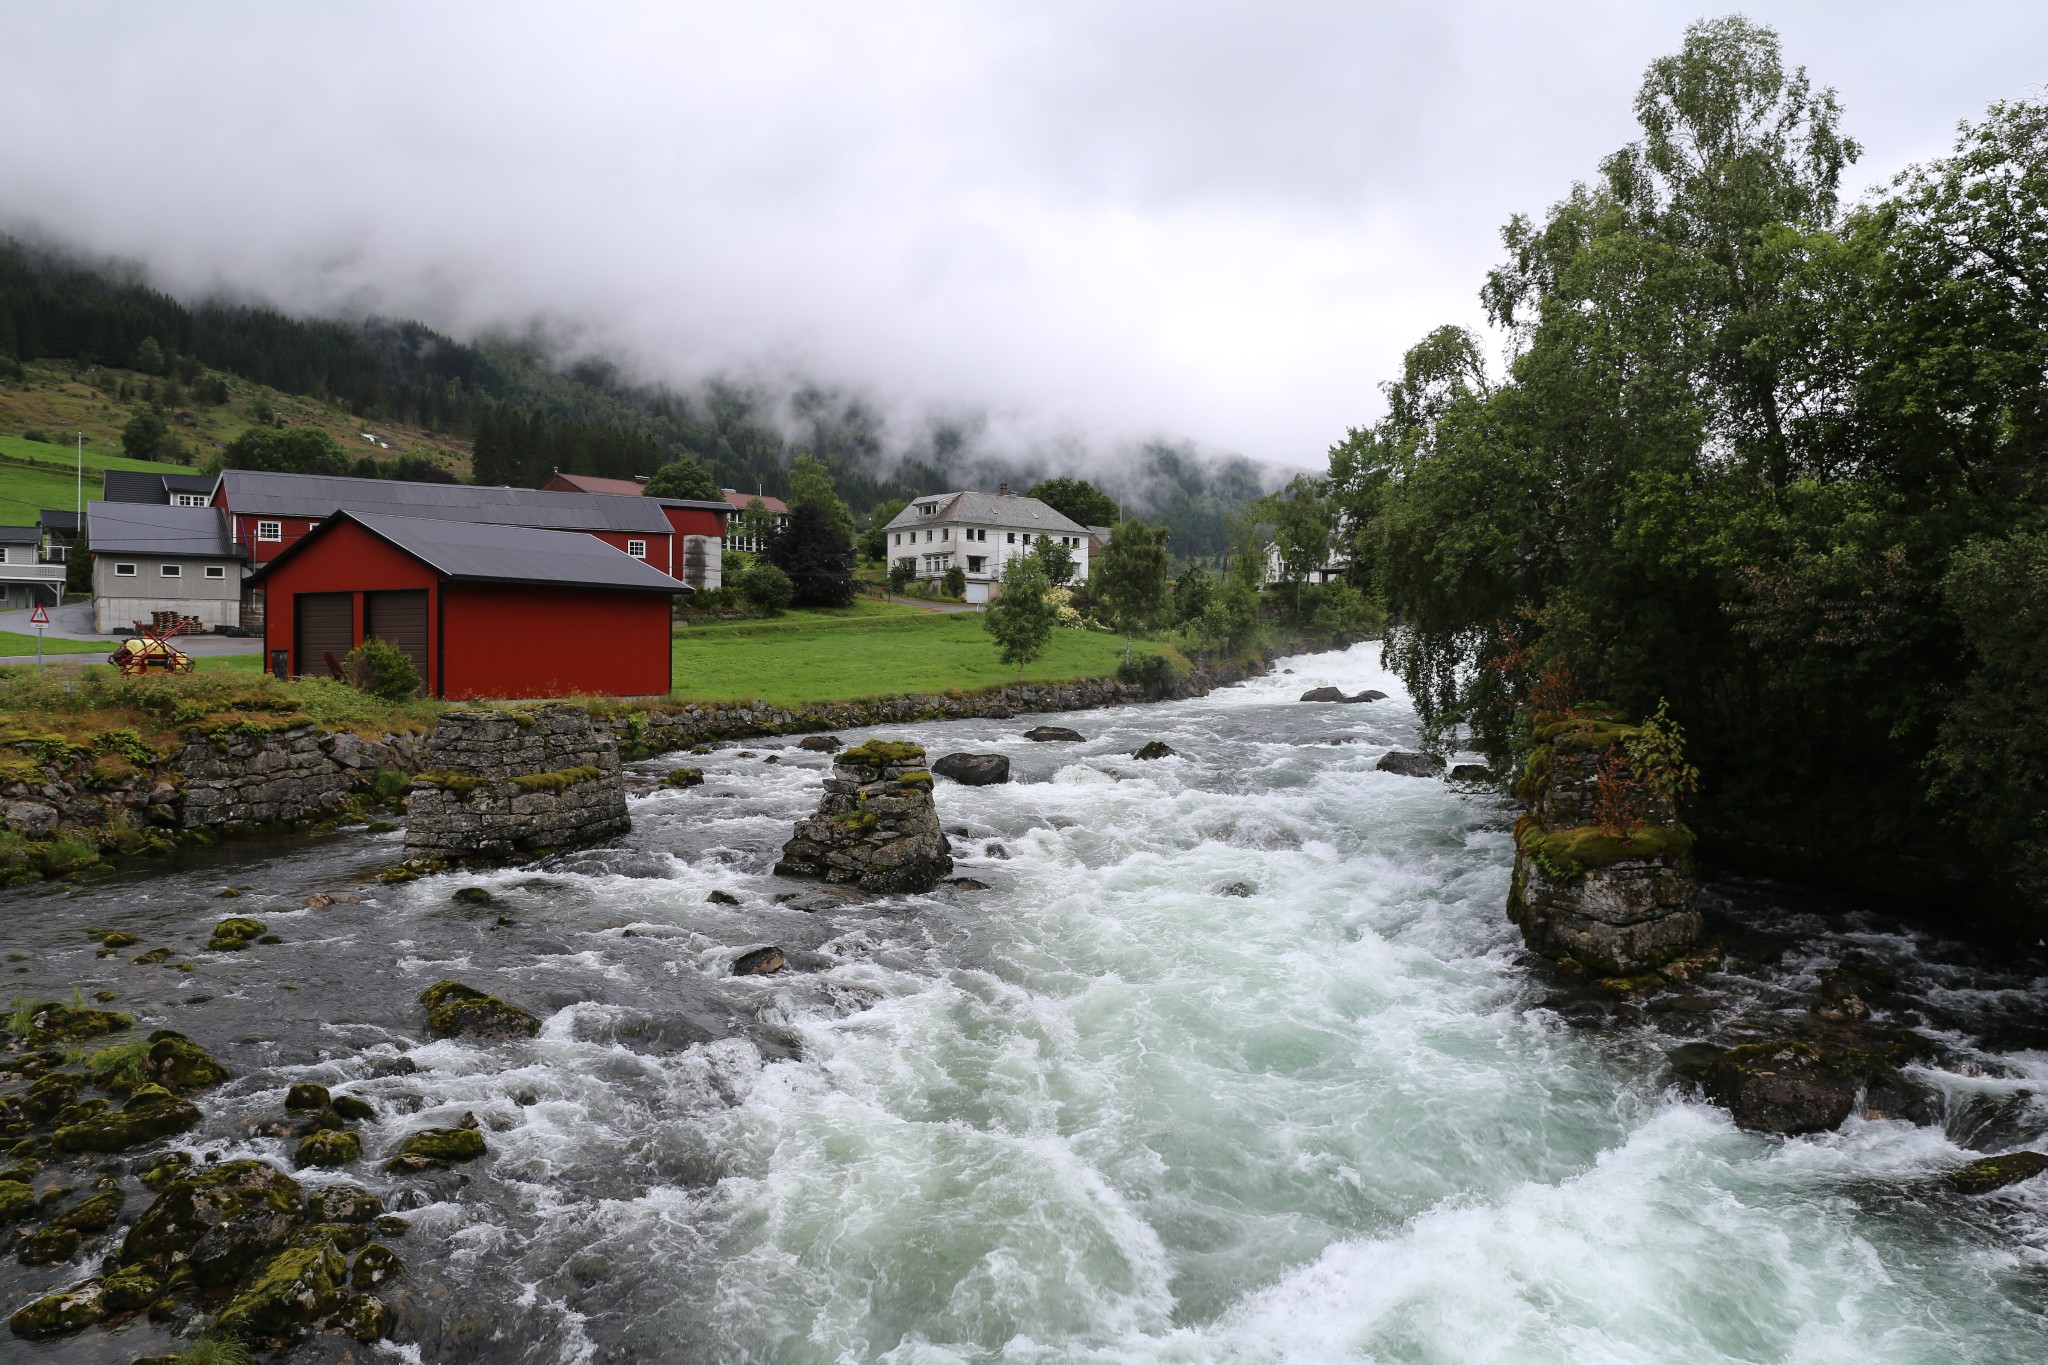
(698, 527)
(484, 610)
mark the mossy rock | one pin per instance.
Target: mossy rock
(1569, 853)
(367, 1318)
(117, 939)
(162, 1170)
(683, 777)
(295, 1290)
(432, 1148)
(151, 1112)
(1789, 1087)
(155, 957)
(235, 933)
(56, 1315)
(165, 1058)
(354, 1108)
(128, 1291)
(881, 753)
(473, 895)
(343, 1204)
(306, 1095)
(92, 1215)
(16, 1201)
(220, 1220)
(49, 1246)
(558, 781)
(1996, 1172)
(328, 1148)
(374, 1264)
(455, 1010)
(47, 1095)
(53, 1022)
(391, 1225)
(343, 1237)
(918, 779)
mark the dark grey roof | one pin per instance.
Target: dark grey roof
(696, 503)
(136, 528)
(21, 535)
(1012, 510)
(251, 493)
(142, 485)
(473, 550)
(55, 519)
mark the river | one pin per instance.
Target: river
(1236, 1060)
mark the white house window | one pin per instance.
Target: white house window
(270, 530)
(124, 571)
(171, 570)
(188, 500)
(1027, 537)
(949, 534)
(637, 548)
(216, 571)
(1012, 537)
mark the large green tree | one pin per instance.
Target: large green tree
(1077, 499)
(1128, 583)
(810, 485)
(683, 477)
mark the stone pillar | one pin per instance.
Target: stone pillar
(1616, 905)
(876, 828)
(499, 783)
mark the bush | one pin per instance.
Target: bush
(767, 588)
(382, 670)
(902, 574)
(956, 582)
(1158, 674)
(1340, 611)
(37, 434)
(713, 599)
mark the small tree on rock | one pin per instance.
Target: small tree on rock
(1021, 620)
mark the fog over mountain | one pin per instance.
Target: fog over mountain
(1093, 224)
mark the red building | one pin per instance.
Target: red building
(483, 610)
(699, 528)
(267, 513)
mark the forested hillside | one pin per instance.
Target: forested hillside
(583, 417)
(1778, 462)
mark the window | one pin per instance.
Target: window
(171, 570)
(124, 571)
(270, 530)
(975, 563)
(216, 571)
(899, 538)
(1012, 537)
(188, 500)
(1027, 537)
(949, 534)
(637, 548)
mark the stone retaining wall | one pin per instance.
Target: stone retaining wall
(496, 783)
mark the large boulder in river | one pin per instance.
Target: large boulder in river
(974, 770)
(455, 1010)
(1156, 748)
(1324, 694)
(1996, 1172)
(876, 827)
(1787, 1087)
(1405, 764)
(1054, 734)
(221, 1221)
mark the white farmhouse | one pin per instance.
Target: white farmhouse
(978, 533)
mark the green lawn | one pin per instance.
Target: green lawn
(14, 642)
(869, 649)
(53, 482)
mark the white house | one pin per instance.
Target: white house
(979, 533)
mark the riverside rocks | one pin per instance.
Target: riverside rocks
(759, 962)
(974, 770)
(1996, 1172)
(1613, 905)
(455, 1010)
(1153, 749)
(1337, 694)
(499, 783)
(1787, 1087)
(876, 827)
(1404, 764)
(1054, 734)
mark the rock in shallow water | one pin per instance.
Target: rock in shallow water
(1787, 1087)
(1153, 749)
(1404, 764)
(974, 770)
(1054, 734)
(455, 1010)
(876, 827)
(1996, 1172)
(759, 962)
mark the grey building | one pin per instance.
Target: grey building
(150, 558)
(25, 580)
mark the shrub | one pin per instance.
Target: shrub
(382, 670)
(902, 573)
(1156, 673)
(767, 588)
(956, 582)
(36, 434)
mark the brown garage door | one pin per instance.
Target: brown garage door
(323, 623)
(399, 618)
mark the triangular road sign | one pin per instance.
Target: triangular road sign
(39, 617)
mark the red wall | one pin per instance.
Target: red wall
(515, 641)
(695, 521)
(346, 559)
(657, 545)
(494, 640)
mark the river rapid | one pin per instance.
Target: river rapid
(1237, 1059)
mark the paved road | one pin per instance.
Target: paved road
(73, 621)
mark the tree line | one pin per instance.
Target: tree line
(1773, 459)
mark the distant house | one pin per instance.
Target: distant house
(165, 490)
(699, 527)
(739, 535)
(1335, 568)
(60, 533)
(979, 533)
(25, 579)
(153, 558)
(484, 610)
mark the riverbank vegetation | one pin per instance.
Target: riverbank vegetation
(1774, 458)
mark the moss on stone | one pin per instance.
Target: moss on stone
(374, 1264)
(881, 753)
(558, 781)
(162, 1170)
(56, 1315)
(306, 1095)
(343, 1204)
(16, 1201)
(54, 1022)
(294, 1290)
(683, 777)
(353, 1107)
(454, 1009)
(153, 958)
(151, 1112)
(1567, 853)
(916, 778)
(93, 1214)
(49, 1246)
(367, 1318)
(329, 1147)
(165, 1058)
(235, 933)
(129, 1291)
(217, 1221)
(433, 1147)
(1996, 1172)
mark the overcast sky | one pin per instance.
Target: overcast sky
(1215, 221)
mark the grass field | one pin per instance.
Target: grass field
(15, 642)
(869, 649)
(52, 482)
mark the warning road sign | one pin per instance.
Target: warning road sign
(39, 617)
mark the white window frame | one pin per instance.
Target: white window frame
(188, 500)
(124, 571)
(216, 571)
(637, 548)
(270, 530)
(170, 571)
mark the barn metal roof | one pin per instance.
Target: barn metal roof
(987, 509)
(254, 493)
(147, 528)
(141, 485)
(55, 519)
(476, 551)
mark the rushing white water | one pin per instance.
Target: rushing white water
(1108, 1110)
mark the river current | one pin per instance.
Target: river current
(1237, 1059)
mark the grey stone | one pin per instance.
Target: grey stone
(876, 826)
(1406, 764)
(974, 770)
